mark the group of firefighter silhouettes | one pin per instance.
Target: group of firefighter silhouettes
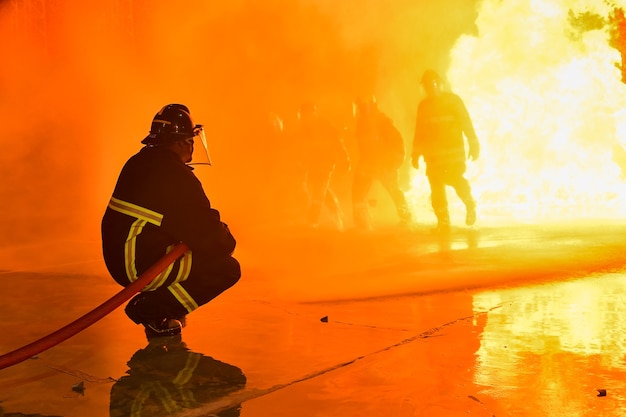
(442, 128)
(158, 201)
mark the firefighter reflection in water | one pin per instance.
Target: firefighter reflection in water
(381, 153)
(323, 151)
(442, 120)
(157, 203)
(166, 378)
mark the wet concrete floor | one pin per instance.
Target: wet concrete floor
(497, 321)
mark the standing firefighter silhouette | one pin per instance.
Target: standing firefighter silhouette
(381, 153)
(157, 203)
(323, 151)
(442, 121)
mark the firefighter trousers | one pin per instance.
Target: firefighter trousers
(208, 278)
(438, 197)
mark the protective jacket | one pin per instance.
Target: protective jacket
(381, 147)
(157, 203)
(440, 124)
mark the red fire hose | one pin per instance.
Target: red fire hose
(94, 315)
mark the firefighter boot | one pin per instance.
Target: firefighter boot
(443, 221)
(163, 327)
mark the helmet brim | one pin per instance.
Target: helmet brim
(150, 139)
(154, 139)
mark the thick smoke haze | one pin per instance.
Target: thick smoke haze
(81, 81)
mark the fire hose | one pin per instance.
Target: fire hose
(94, 315)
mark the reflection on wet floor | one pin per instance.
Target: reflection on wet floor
(411, 330)
(542, 350)
(166, 377)
(556, 347)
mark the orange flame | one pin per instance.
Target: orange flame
(549, 110)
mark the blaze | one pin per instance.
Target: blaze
(543, 85)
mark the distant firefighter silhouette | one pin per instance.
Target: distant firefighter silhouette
(165, 378)
(442, 122)
(322, 151)
(381, 153)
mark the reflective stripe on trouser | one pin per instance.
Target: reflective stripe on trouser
(209, 277)
(130, 256)
(145, 216)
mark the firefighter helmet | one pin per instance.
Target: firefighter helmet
(171, 124)
(364, 105)
(431, 76)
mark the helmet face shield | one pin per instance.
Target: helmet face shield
(198, 132)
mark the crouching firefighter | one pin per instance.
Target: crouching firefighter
(157, 203)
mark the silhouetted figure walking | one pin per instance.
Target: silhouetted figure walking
(381, 153)
(442, 120)
(322, 151)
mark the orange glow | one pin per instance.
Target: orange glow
(562, 338)
(81, 82)
(548, 105)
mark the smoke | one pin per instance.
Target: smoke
(80, 83)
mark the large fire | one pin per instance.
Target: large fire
(543, 85)
(540, 78)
